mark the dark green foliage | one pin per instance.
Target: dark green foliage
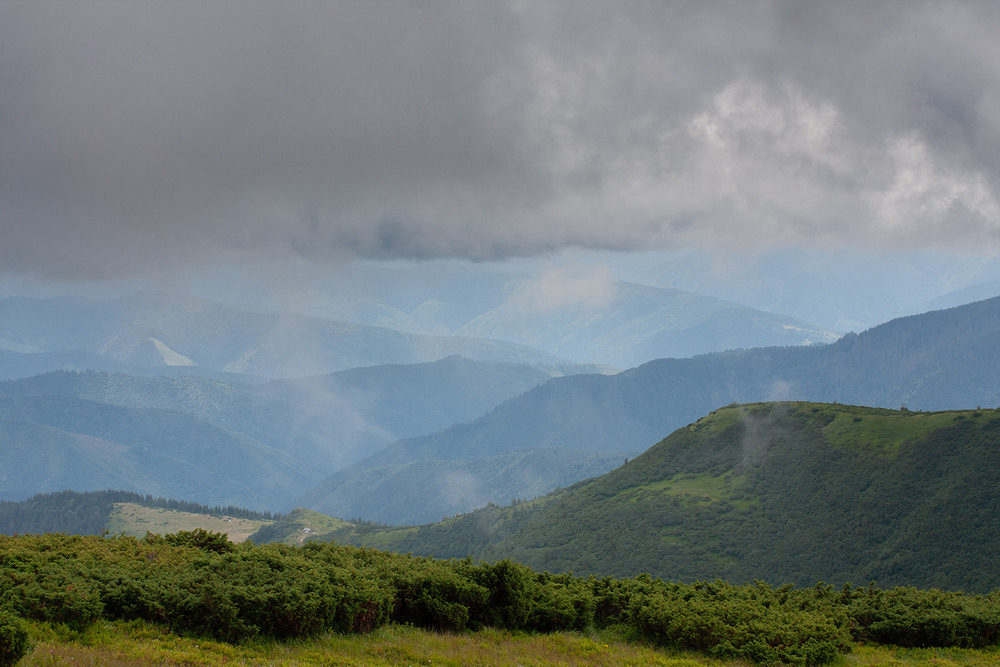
(199, 538)
(188, 583)
(907, 616)
(431, 594)
(509, 586)
(41, 580)
(14, 641)
(754, 623)
(561, 602)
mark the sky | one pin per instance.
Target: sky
(165, 135)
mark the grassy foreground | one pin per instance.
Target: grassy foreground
(137, 643)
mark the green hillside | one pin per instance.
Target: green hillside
(297, 527)
(786, 492)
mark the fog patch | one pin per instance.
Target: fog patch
(460, 489)
(564, 287)
(761, 428)
(330, 423)
(780, 390)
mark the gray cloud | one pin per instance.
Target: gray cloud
(138, 135)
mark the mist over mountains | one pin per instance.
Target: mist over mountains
(161, 331)
(413, 441)
(940, 360)
(68, 428)
(542, 325)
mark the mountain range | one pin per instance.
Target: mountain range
(945, 359)
(414, 443)
(93, 430)
(157, 333)
(162, 333)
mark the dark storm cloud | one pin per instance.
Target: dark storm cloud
(135, 135)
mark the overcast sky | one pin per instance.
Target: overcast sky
(136, 135)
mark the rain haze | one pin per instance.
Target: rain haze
(157, 137)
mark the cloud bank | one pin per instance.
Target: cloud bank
(173, 132)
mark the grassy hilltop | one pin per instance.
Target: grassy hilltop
(786, 492)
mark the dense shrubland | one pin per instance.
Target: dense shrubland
(199, 583)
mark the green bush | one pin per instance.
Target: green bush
(432, 595)
(14, 642)
(561, 602)
(510, 594)
(906, 616)
(742, 623)
(194, 584)
(199, 538)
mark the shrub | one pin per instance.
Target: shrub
(561, 602)
(510, 594)
(431, 595)
(907, 616)
(14, 642)
(741, 623)
(199, 538)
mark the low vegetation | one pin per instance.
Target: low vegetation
(197, 584)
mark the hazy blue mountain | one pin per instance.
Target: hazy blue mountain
(940, 360)
(429, 489)
(52, 443)
(977, 292)
(323, 422)
(578, 312)
(627, 324)
(841, 290)
(15, 365)
(160, 331)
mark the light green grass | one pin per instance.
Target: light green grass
(135, 520)
(884, 430)
(139, 644)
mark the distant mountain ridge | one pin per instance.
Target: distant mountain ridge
(62, 430)
(945, 359)
(166, 332)
(154, 332)
(786, 492)
(632, 324)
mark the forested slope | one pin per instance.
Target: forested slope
(787, 492)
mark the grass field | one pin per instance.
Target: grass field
(135, 644)
(135, 520)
